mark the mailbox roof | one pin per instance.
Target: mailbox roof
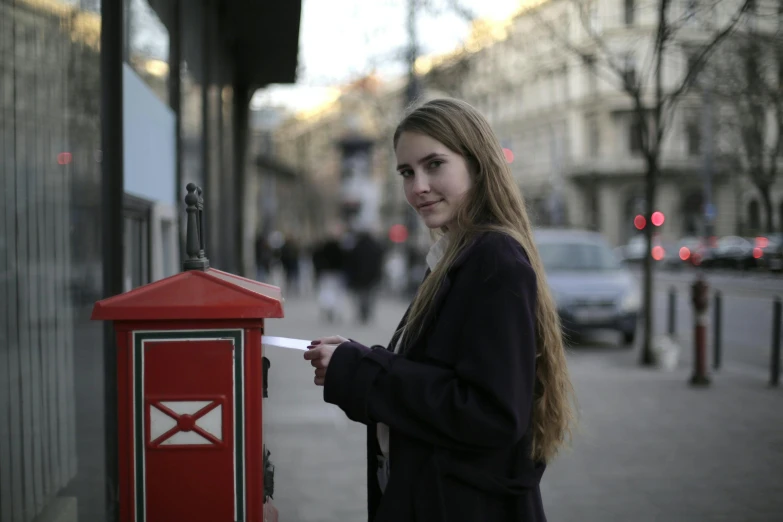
(211, 294)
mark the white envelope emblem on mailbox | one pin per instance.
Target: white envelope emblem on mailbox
(185, 423)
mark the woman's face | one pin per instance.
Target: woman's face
(436, 179)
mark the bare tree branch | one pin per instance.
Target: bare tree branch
(706, 52)
(452, 6)
(750, 84)
(618, 69)
(611, 74)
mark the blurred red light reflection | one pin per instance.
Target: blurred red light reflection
(639, 221)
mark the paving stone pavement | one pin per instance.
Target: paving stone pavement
(648, 448)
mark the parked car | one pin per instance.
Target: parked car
(662, 252)
(695, 251)
(734, 252)
(768, 251)
(593, 290)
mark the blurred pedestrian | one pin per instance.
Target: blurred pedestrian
(472, 398)
(363, 273)
(329, 264)
(263, 258)
(289, 259)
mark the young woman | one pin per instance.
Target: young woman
(472, 398)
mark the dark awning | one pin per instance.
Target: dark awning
(261, 35)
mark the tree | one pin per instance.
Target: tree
(653, 102)
(750, 74)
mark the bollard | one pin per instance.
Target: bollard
(672, 311)
(774, 377)
(717, 327)
(700, 301)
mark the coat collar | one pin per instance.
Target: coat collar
(411, 345)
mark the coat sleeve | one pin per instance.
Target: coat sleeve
(484, 401)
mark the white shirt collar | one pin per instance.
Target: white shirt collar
(437, 250)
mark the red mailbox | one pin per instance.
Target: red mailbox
(190, 391)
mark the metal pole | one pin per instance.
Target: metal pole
(717, 328)
(672, 311)
(206, 128)
(700, 300)
(774, 376)
(413, 51)
(112, 189)
(241, 122)
(411, 95)
(707, 125)
(175, 101)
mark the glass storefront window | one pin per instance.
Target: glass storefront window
(147, 46)
(52, 418)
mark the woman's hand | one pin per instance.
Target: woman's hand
(270, 512)
(319, 353)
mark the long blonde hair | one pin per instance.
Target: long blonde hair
(494, 203)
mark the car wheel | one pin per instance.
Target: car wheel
(628, 338)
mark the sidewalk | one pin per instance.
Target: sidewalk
(649, 447)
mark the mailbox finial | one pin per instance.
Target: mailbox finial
(194, 246)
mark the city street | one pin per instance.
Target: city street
(648, 448)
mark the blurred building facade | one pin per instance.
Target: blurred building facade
(107, 110)
(343, 149)
(571, 128)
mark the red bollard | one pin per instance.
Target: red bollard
(699, 298)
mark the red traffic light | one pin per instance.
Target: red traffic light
(657, 218)
(639, 221)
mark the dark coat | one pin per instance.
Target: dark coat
(328, 257)
(364, 263)
(458, 402)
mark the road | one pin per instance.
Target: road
(747, 304)
(648, 447)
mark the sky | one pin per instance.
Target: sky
(340, 40)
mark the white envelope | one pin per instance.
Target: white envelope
(285, 342)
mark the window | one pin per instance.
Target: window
(592, 16)
(780, 16)
(146, 46)
(137, 213)
(592, 79)
(169, 248)
(520, 100)
(629, 71)
(692, 132)
(692, 60)
(549, 87)
(593, 136)
(630, 9)
(753, 15)
(690, 9)
(565, 27)
(635, 135)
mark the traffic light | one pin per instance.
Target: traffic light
(656, 219)
(639, 222)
